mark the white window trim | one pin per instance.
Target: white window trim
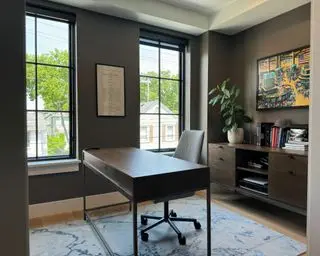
(53, 167)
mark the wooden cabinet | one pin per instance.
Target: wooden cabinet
(284, 175)
(222, 164)
(288, 179)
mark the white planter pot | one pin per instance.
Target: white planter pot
(236, 136)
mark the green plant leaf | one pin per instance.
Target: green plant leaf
(247, 119)
(238, 107)
(225, 114)
(223, 86)
(237, 93)
(232, 91)
(215, 100)
(224, 105)
(213, 91)
(227, 93)
(235, 126)
(229, 121)
(225, 129)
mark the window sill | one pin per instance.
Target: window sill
(168, 153)
(53, 167)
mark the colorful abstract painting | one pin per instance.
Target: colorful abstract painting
(284, 80)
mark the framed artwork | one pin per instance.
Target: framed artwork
(284, 80)
(110, 81)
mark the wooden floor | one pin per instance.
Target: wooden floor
(285, 222)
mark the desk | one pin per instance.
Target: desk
(141, 175)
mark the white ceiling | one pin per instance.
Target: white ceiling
(192, 16)
(206, 7)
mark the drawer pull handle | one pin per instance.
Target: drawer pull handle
(221, 147)
(293, 173)
(291, 157)
(221, 159)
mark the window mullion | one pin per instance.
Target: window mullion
(159, 96)
(36, 81)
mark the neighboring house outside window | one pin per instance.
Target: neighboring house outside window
(50, 84)
(161, 94)
(169, 133)
(144, 134)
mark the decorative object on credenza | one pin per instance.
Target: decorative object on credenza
(283, 123)
(297, 139)
(284, 80)
(232, 113)
(110, 90)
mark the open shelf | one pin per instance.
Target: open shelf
(253, 170)
(251, 192)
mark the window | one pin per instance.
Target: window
(170, 133)
(49, 85)
(144, 134)
(161, 92)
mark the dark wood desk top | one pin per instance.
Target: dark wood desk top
(138, 163)
(141, 175)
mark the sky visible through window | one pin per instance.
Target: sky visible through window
(50, 35)
(149, 60)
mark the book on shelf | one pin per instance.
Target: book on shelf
(289, 138)
(296, 146)
(298, 142)
(256, 180)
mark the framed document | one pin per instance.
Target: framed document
(110, 90)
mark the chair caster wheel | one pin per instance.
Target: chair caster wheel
(144, 221)
(173, 214)
(182, 240)
(144, 237)
(197, 225)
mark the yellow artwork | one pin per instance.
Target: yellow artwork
(284, 80)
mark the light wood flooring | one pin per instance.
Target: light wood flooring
(283, 221)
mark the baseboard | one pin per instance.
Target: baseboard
(74, 204)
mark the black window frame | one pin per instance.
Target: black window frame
(70, 19)
(163, 41)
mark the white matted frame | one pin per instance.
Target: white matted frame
(110, 80)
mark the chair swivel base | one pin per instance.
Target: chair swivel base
(170, 219)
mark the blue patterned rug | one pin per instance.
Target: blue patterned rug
(232, 234)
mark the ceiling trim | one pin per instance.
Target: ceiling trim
(234, 17)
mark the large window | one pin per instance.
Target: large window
(161, 93)
(50, 85)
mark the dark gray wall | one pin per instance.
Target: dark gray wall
(13, 175)
(109, 40)
(203, 91)
(286, 32)
(219, 69)
(214, 68)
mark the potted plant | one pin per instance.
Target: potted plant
(232, 113)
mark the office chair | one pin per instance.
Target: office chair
(189, 149)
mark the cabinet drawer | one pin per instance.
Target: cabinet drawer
(221, 156)
(288, 176)
(222, 164)
(223, 176)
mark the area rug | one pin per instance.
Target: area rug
(232, 234)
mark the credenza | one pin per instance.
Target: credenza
(282, 176)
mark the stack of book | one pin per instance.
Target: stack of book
(278, 137)
(297, 145)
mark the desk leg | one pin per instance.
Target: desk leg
(209, 221)
(135, 228)
(84, 192)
